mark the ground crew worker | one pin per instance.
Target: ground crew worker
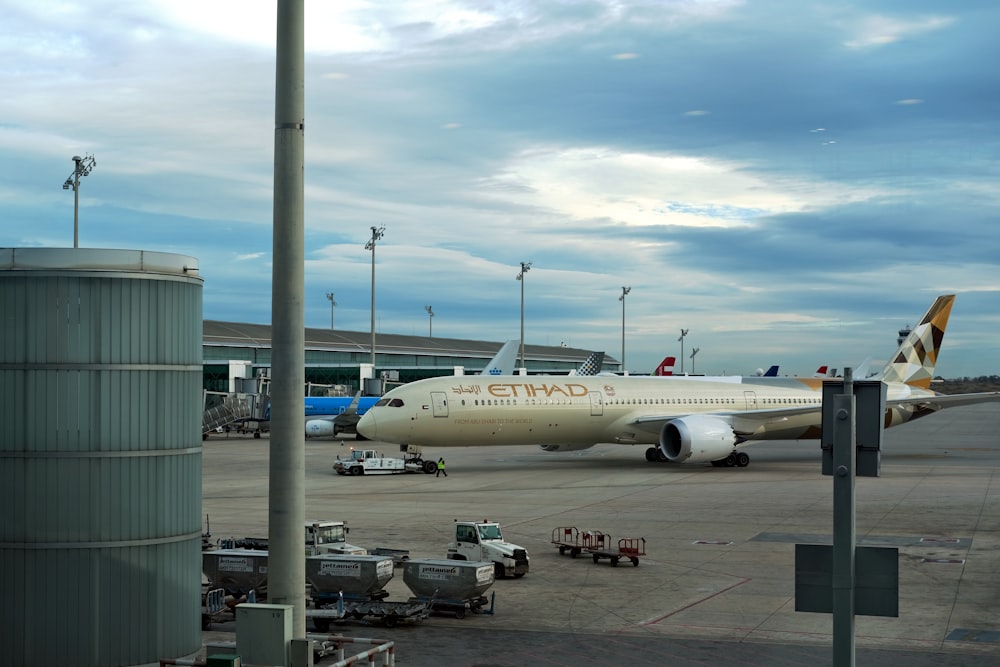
(441, 468)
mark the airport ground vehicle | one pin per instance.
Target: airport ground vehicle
(372, 462)
(321, 537)
(598, 545)
(399, 556)
(354, 586)
(483, 541)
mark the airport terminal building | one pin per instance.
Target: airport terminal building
(336, 357)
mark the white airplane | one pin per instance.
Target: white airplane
(330, 415)
(683, 419)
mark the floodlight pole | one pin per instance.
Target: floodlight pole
(377, 233)
(83, 166)
(684, 332)
(333, 304)
(693, 352)
(525, 267)
(430, 321)
(625, 291)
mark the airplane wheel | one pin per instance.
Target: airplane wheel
(731, 460)
(651, 454)
(742, 459)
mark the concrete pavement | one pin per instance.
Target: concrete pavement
(717, 583)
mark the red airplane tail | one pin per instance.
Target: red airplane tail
(666, 367)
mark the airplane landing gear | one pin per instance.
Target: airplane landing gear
(734, 460)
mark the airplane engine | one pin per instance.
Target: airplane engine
(317, 428)
(564, 448)
(697, 438)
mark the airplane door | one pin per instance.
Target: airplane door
(439, 404)
(751, 398)
(596, 404)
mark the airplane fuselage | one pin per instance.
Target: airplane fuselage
(579, 412)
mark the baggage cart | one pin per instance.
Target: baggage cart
(567, 540)
(629, 548)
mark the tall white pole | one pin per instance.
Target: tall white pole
(286, 512)
(684, 332)
(525, 267)
(377, 233)
(625, 291)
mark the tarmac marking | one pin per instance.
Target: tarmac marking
(966, 635)
(654, 621)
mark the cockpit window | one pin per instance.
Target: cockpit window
(381, 402)
(396, 403)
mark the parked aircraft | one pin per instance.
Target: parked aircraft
(591, 365)
(330, 415)
(684, 420)
(665, 367)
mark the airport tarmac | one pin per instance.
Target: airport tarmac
(717, 583)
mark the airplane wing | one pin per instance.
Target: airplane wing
(746, 422)
(742, 421)
(945, 400)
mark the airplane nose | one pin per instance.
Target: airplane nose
(366, 425)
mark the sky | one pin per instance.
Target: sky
(789, 182)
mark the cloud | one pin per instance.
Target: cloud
(876, 30)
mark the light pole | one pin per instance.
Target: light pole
(684, 332)
(525, 267)
(625, 291)
(84, 165)
(693, 352)
(377, 233)
(333, 304)
(430, 321)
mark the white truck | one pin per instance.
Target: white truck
(322, 537)
(330, 537)
(483, 541)
(372, 462)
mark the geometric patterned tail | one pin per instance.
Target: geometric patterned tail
(914, 361)
(592, 364)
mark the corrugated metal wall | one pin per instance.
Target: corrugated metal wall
(100, 457)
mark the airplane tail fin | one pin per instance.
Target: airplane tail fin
(666, 367)
(352, 409)
(591, 365)
(820, 372)
(771, 372)
(504, 361)
(914, 361)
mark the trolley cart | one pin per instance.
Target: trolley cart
(629, 548)
(324, 616)
(454, 606)
(389, 613)
(567, 540)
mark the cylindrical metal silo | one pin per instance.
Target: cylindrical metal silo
(100, 456)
